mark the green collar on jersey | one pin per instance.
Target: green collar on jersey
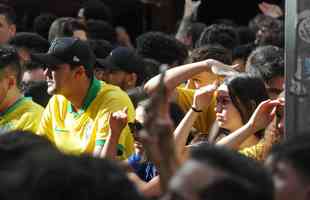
(91, 95)
(15, 105)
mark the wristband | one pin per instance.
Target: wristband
(195, 109)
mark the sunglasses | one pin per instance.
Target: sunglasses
(135, 127)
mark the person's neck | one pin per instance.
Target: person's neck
(12, 97)
(79, 94)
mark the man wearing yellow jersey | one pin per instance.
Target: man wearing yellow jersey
(16, 111)
(76, 117)
(196, 77)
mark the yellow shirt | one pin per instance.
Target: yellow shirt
(255, 152)
(79, 132)
(22, 115)
(205, 119)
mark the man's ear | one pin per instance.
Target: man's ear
(79, 71)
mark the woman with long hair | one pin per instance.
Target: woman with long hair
(236, 100)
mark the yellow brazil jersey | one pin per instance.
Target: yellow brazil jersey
(24, 114)
(205, 119)
(79, 132)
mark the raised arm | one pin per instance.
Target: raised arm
(117, 121)
(178, 75)
(190, 8)
(271, 10)
(259, 120)
(202, 99)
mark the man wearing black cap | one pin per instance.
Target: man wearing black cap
(125, 68)
(76, 118)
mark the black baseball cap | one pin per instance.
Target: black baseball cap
(67, 50)
(124, 59)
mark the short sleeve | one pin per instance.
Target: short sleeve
(205, 119)
(45, 126)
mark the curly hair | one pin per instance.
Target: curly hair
(219, 34)
(211, 52)
(162, 48)
(101, 30)
(31, 41)
(266, 62)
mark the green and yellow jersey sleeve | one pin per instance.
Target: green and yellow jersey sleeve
(22, 115)
(80, 132)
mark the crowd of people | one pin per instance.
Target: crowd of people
(88, 111)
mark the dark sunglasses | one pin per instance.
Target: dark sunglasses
(135, 127)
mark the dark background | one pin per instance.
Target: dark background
(137, 17)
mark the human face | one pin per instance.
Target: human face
(288, 183)
(24, 54)
(101, 74)
(203, 79)
(6, 30)
(33, 75)
(191, 178)
(275, 87)
(262, 35)
(80, 34)
(227, 115)
(59, 78)
(117, 78)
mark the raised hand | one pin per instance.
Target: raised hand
(263, 115)
(220, 68)
(271, 10)
(196, 5)
(188, 8)
(203, 96)
(191, 7)
(118, 121)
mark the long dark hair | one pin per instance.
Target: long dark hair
(246, 93)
